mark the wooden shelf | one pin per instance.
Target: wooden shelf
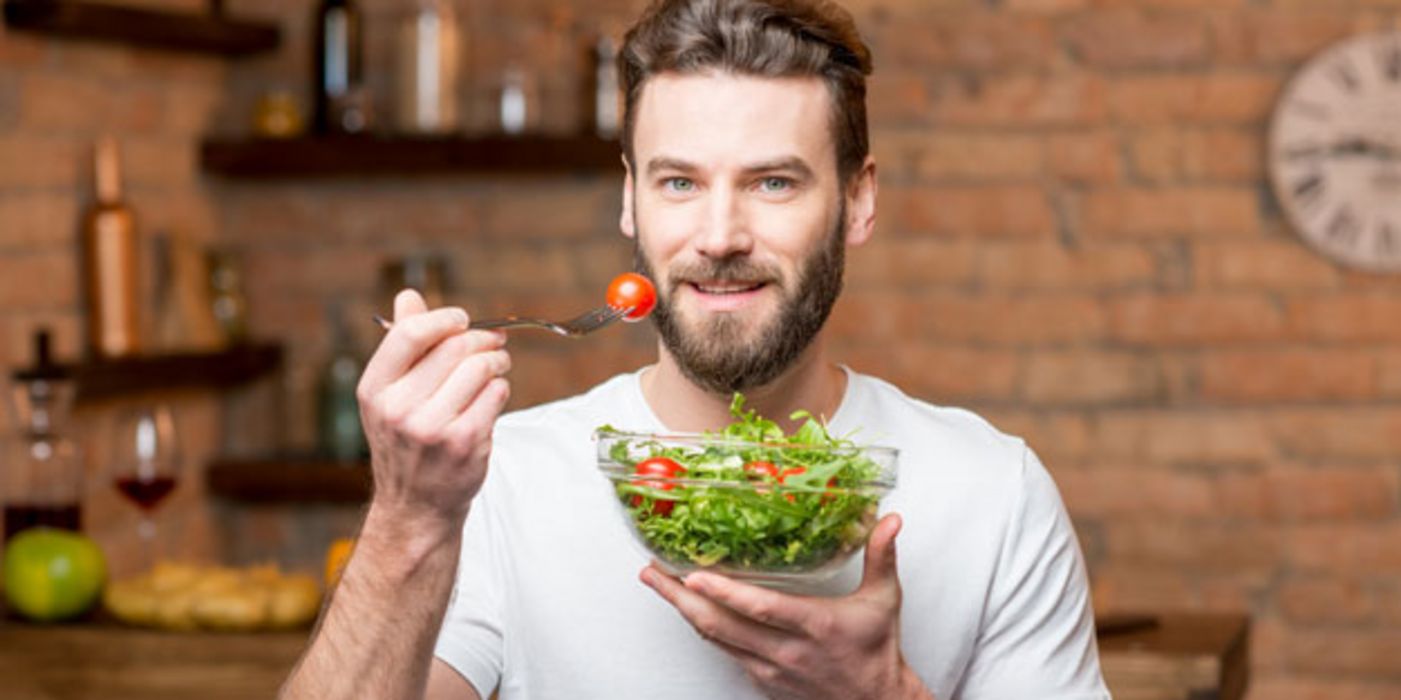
(139, 27)
(395, 155)
(290, 479)
(101, 379)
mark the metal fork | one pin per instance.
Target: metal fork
(583, 324)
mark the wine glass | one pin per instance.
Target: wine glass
(147, 462)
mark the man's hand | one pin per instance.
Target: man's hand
(428, 399)
(807, 647)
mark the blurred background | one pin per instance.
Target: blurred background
(1077, 237)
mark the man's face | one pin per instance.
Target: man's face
(737, 213)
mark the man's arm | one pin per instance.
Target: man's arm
(428, 399)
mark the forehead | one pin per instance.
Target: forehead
(722, 118)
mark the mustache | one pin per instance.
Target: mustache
(732, 269)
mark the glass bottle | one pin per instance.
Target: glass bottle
(339, 432)
(43, 475)
(430, 51)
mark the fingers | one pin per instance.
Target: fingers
(414, 388)
(471, 429)
(880, 572)
(762, 605)
(461, 387)
(408, 302)
(714, 621)
(412, 336)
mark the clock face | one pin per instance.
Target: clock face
(1335, 152)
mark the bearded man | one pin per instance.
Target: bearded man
(490, 559)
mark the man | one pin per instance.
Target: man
(748, 175)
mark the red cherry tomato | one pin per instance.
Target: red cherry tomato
(790, 471)
(760, 469)
(660, 467)
(632, 291)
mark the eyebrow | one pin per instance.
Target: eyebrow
(790, 163)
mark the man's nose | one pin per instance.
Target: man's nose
(725, 231)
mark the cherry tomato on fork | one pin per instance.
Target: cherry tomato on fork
(631, 290)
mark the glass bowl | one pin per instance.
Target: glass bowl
(767, 513)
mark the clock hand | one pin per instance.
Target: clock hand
(1359, 146)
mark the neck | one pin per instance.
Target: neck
(813, 383)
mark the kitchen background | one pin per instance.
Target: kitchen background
(1076, 238)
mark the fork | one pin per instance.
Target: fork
(583, 324)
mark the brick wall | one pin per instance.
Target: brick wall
(1075, 238)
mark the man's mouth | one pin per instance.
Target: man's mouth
(727, 287)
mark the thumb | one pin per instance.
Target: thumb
(880, 572)
(408, 302)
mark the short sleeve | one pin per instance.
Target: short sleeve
(471, 639)
(1037, 637)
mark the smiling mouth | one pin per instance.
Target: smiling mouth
(721, 288)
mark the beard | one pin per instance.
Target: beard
(714, 353)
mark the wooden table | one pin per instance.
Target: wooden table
(1178, 657)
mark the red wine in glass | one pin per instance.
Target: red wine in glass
(146, 493)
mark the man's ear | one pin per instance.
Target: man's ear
(625, 220)
(861, 204)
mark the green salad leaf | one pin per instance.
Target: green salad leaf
(751, 497)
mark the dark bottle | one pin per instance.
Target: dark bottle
(340, 434)
(338, 97)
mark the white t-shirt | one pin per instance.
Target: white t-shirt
(548, 603)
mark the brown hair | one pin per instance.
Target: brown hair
(767, 38)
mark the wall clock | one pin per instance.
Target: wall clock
(1334, 154)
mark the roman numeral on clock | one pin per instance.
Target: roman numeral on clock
(1308, 189)
(1390, 57)
(1386, 241)
(1344, 228)
(1346, 76)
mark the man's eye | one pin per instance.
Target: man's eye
(775, 184)
(678, 184)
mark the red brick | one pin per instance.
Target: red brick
(965, 41)
(1115, 38)
(1216, 97)
(38, 280)
(942, 374)
(1345, 318)
(1046, 266)
(1213, 212)
(898, 98)
(1304, 687)
(27, 160)
(159, 161)
(1276, 36)
(979, 157)
(1234, 592)
(1197, 154)
(1139, 586)
(37, 219)
(1021, 100)
(1214, 438)
(1090, 378)
(895, 152)
(1113, 492)
(1356, 432)
(1085, 157)
(21, 49)
(1389, 374)
(1010, 210)
(1325, 599)
(1200, 547)
(1194, 320)
(322, 271)
(864, 316)
(1346, 652)
(911, 263)
(1061, 438)
(573, 210)
(1286, 266)
(1267, 376)
(1010, 321)
(1334, 492)
(1369, 548)
(1046, 7)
